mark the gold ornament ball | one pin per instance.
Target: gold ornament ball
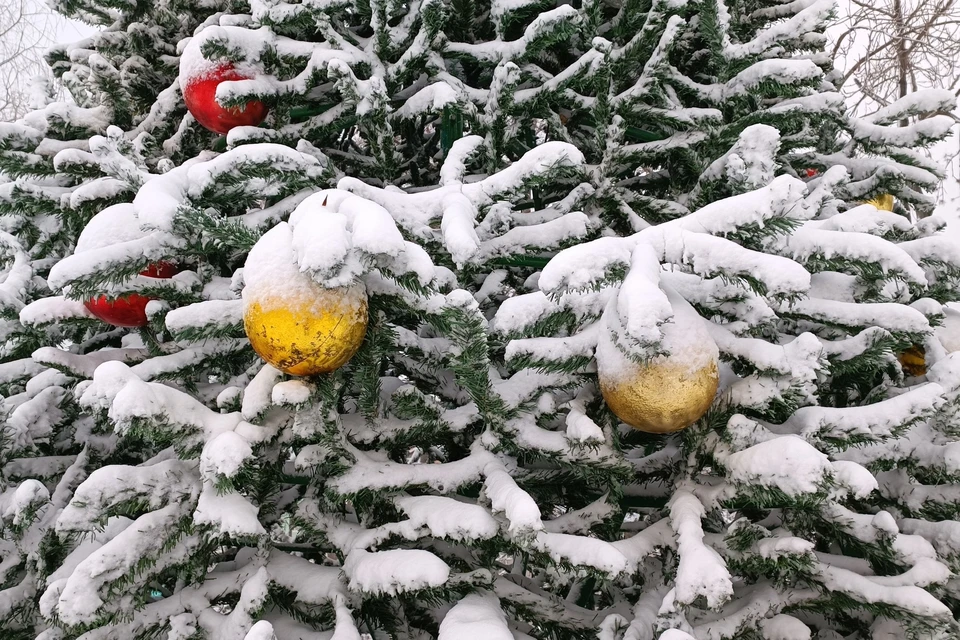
(669, 392)
(307, 335)
(661, 397)
(913, 360)
(883, 202)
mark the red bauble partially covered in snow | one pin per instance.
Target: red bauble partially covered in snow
(130, 310)
(200, 94)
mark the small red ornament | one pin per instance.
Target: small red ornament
(130, 310)
(162, 269)
(811, 173)
(200, 95)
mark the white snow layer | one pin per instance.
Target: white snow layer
(476, 617)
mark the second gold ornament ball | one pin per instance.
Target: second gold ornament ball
(883, 202)
(293, 322)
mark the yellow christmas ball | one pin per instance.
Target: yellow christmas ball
(668, 393)
(660, 397)
(306, 337)
(883, 202)
(293, 322)
(913, 361)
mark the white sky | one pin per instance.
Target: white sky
(70, 30)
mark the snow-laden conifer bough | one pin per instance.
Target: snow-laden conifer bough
(515, 186)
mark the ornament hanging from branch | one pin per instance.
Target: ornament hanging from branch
(883, 202)
(200, 96)
(913, 360)
(294, 323)
(101, 237)
(200, 77)
(667, 393)
(129, 310)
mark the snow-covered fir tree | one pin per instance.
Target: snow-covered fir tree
(527, 193)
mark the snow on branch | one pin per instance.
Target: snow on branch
(701, 572)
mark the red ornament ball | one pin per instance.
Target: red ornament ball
(811, 173)
(130, 310)
(200, 94)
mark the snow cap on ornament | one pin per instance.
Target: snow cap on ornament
(114, 225)
(201, 77)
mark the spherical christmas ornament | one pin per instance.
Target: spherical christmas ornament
(118, 224)
(126, 311)
(667, 393)
(200, 95)
(883, 202)
(913, 361)
(811, 173)
(305, 337)
(294, 323)
(129, 310)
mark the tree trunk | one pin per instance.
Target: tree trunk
(903, 58)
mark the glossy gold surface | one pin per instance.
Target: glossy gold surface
(308, 337)
(884, 202)
(662, 397)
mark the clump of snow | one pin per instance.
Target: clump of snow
(856, 478)
(53, 309)
(259, 392)
(788, 463)
(29, 493)
(291, 393)
(261, 630)
(81, 597)
(152, 485)
(701, 572)
(909, 598)
(271, 270)
(194, 66)
(449, 518)
(206, 313)
(520, 510)
(394, 571)
(117, 223)
(581, 429)
(227, 513)
(582, 550)
(784, 627)
(878, 420)
(225, 455)
(476, 617)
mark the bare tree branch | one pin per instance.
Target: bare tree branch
(894, 47)
(27, 28)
